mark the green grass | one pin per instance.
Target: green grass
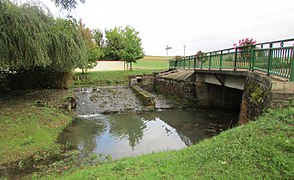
(152, 62)
(263, 149)
(28, 131)
(109, 77)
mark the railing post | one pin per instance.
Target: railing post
(221, 60)
(236, 53)
(252, 58)
(210, 59)
(201, 61)
(189, 62)
(194, 63)
(269, 65)
(292, 66)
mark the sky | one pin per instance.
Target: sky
(204, 25)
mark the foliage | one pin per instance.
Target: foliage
(246, 42)
(201, 57)
(200, 54)
(245, 46)
(98, 36)
(68, 4)
(23, 37)
(259, 150)
(113, 43)
(132, 46)
(123, 44)
(93, 51)
(32, 40)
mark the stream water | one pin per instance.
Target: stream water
(131, 132)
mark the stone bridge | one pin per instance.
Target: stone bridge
(249, 92)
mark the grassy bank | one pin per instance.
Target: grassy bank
(260, 150)
(30, 122)
(109, 77)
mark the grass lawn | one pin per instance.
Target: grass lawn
(152, 62)
(28, 130)
(263, 149)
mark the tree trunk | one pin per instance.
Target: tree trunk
(131, 66)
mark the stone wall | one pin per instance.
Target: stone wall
(184, 91)
(146, 82)
(196, 93)
(256, 97)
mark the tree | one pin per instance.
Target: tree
(201, 58)
(68, 4)
(93, 51)
(132, 46)
(113, 43)
(245, 46)
(35, 45)
(98, 36)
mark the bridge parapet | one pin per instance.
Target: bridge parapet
(272, 58)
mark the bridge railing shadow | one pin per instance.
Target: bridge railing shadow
(272, 58)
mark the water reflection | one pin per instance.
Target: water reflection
(122, 135)
(127, 127)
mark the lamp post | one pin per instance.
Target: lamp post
(184, 50)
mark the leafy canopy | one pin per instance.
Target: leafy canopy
(132, 45)
(93, 51)
(123, 44)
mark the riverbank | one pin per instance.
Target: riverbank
(262, 149)
(30, 123)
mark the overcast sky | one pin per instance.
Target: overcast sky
(198, 24)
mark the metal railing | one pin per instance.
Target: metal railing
(272, 58)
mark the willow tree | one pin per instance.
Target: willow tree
(67, 4)
(34, 43)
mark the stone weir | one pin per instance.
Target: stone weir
(105, 100)
(248, 92)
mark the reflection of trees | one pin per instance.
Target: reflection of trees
(84, 132)
(127, 126)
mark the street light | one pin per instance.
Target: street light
(167, 48)
(184, 49)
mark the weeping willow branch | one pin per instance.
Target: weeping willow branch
(67, 4)
(31, 38)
